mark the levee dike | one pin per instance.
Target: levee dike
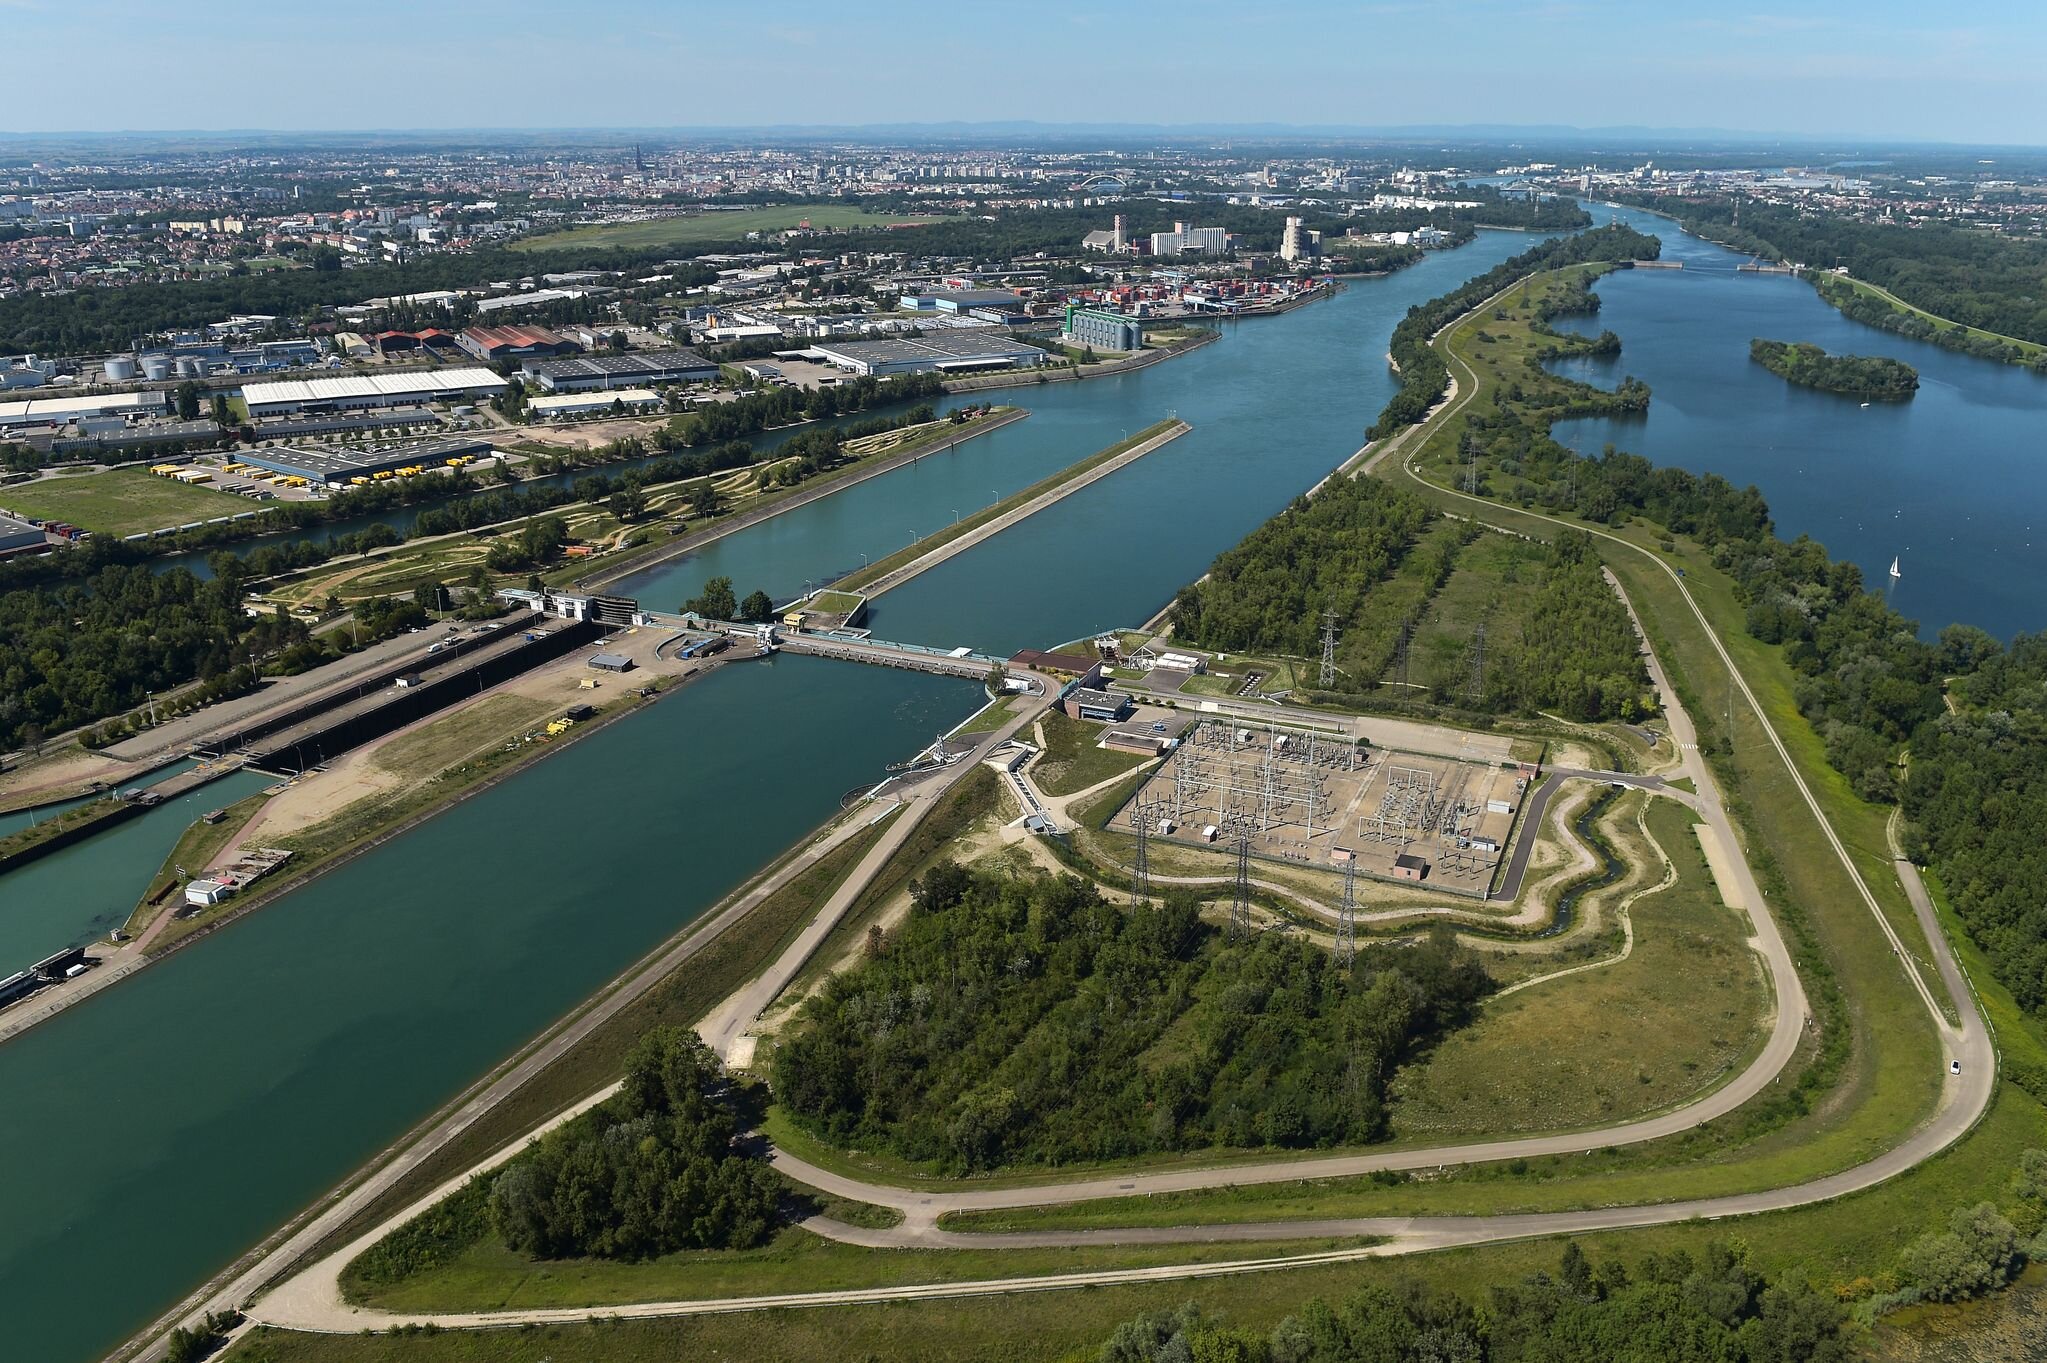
(893, 572)
(684, 545)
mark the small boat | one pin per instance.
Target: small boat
(1895, 574)
(1865, 404)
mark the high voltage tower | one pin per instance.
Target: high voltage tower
(1140, 864)
(1478, 661)
(1240, 901)
(1347, 915)
(1400, 650)
(1328, 649)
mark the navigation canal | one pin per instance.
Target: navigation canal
(159, 1130)
(1949, 482)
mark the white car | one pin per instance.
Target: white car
(1954, 1067)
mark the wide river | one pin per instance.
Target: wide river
(152, 1134)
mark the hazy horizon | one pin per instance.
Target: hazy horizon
(1878, 71)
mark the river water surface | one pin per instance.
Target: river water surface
(150, 1136)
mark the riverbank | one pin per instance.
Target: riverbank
(624, 565)
(1067, 374)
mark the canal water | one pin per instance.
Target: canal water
(154, 1133)
(1950, 482)
(83, 892)
(150, 1136)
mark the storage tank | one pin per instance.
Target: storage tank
(156, 368)
(120, 369)
(188, 367)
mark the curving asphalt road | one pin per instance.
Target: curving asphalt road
(311, 1300)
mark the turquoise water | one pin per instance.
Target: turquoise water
(157, 1132)
(152, 1134)
(86, 890)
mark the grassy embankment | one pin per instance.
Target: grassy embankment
(128, 501)
(933, 542)
(196, 847)
(1856, 1104)
(1825, 1243)
(2032, 351)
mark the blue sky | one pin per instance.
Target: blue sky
(1880, 68)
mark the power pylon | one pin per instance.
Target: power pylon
(1140, 865)
(1240, 901)
(1328, 649)
(1478, 662)
(1347, 916)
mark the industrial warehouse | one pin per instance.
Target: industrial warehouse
(593, 403)
(371, 390)
(953, 352)
(116, 407)
(634, 370)
(341, 466)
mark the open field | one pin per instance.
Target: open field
(1073, 759)
(120, 501)
(715, 226)
(1682, 1012)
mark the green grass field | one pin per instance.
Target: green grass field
(1072, 761)
(1677, 1017)
(715, 226)
(120, 501)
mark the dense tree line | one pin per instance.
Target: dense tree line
(1981, 279)
(1423, 376)
(1865, 680)
(1030, 1022)
(1871, 376)
(100, 647)
(652, 1170)
(1671, 1308)
(1324, 552)
(1976, 799)
(1573, 649)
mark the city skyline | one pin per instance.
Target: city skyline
(1832, 70)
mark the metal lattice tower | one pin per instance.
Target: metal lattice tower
(1400, 650)
(1140, 864)
(1240, 901)
(1478, 661)
(1328, 649)
(1347, 915)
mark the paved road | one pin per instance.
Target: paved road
(311, 1301)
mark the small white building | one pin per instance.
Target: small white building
(593, 403)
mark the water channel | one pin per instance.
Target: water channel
(156, 1132)
(1947, 482)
